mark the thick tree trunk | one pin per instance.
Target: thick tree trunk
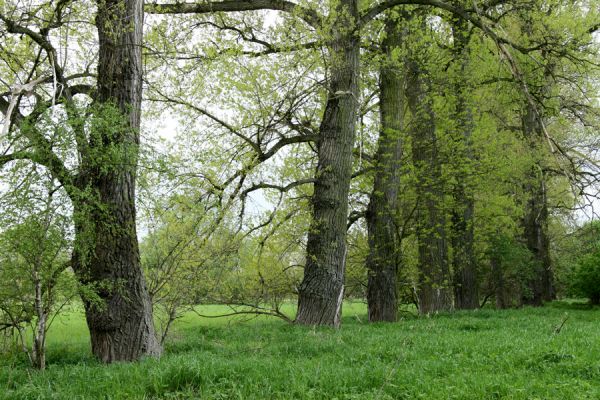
(383, 259)
(107, 255)
(535, 221)
(466, 288)
(322, 289)
(434, 292)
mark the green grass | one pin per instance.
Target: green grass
(485, 354)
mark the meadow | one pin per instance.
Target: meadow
(483, 354)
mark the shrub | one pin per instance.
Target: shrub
(586, 278)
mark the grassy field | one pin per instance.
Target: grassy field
(485, 354)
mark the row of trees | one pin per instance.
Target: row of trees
(388, 142)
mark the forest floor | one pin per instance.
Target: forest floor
(484, 354)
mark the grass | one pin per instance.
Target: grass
(484, 354)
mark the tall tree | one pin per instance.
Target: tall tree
(535, 218)
(121, 328)
(434, 291)
(464, 269)
(384, 257)
(101, 185)
(322, 289)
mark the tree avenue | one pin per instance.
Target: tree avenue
(422, 152)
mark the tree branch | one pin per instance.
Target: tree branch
(311, 17)
(377, 9)
(48, 160)
(282, 189)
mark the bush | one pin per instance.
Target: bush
(586, 278)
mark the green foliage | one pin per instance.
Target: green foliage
(586, 278)
(510, 267)
(35, 282)
(580, 254)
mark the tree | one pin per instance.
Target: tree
(434, 290)
(384, 248)
(104, 139)
(464, 268)
(321, 292)
(322, 289)
(36, 280)
(535, 219)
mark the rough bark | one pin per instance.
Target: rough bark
(107, 255)
(321, 291)
(383, 260)
(434, 293)
(464, 268)
(535, 220)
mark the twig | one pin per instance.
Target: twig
(559, 327)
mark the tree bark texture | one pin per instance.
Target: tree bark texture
(107, 254)
(434, 292)
(384, 257)
(535, 220)
(322, 288)
(464, 268)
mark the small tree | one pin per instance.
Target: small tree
(35, 280)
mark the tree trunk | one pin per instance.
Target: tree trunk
(383, 259)
(39, 334)
(322, 288)
(466, 288)
(498, 282)
(107, 254)
(434, 293)
(535, 220)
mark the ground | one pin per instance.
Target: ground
(484, 354)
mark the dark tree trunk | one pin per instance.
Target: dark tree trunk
(535, 220)
(498, 282)
(434, 293)
(384, 258)
(466, 288)
(107, 255)
(322, 289)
